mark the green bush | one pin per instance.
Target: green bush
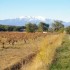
(43, 27)
(68, 30)
(31, 27)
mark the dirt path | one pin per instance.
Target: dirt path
(47, 50)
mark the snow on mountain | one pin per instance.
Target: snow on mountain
(25, 19)
(33, 18)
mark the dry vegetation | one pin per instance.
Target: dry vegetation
(45, 56)
(27, 51)
(16, 46)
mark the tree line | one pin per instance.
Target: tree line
(57, 26)
(11, 28)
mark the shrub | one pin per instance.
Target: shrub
(68, 30)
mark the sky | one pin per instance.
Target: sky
(51, 9)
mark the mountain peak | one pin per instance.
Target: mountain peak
(25, 19)
(33, 18)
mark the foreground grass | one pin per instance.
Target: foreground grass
(16, 47)
(20, 56)
(45, 56)
(62, 58)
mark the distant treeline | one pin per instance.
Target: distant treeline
(11, 28)
(57, 26)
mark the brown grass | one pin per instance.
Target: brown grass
(17, 46)
(27, 51)
(46, 54)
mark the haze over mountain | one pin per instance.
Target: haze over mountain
(21, 21)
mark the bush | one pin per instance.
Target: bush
(57, 26)
(43, 27)
(31, 27)
(68, 30)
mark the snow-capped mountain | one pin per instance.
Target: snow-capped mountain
(33, 18)
(25, 19)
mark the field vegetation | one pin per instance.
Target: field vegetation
(46, 53)
(37, 48)
(27, 51)
(14, 46)
(62, 58)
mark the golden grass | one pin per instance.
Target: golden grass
(46, 54)
(12, 53)
(25, 44)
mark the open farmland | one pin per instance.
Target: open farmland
(27, 51)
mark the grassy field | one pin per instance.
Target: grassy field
(28, 51)
(62, 57)
(16, 47)
(45, 56)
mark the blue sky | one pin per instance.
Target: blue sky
(52, 9)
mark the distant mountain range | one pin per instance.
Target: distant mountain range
(21, 21)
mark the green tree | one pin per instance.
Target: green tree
(57, 26)
(67, 30)
(31, 27)
(43, 27)
(3, 28)
(11, 28)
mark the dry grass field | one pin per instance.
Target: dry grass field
(46, 54)
(28, 51)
